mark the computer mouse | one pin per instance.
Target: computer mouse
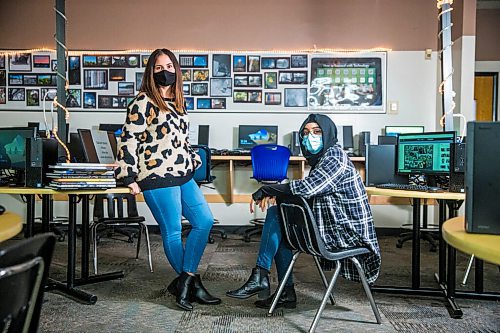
(434, 189)
(2, 209)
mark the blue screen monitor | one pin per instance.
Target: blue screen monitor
(396, 130)
(13, 146)
(425, 153)
(252, 135)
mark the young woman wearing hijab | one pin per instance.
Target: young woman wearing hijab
(340, 205)
(155, 157)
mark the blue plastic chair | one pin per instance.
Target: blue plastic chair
(203, 176)
(270, 166)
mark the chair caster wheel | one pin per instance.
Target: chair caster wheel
(61, 238)
(399, 246)
(247, 239)
(224, 236)
(130, 239)
(433, 249)
(211, 240)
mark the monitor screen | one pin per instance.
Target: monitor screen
(425, 153)
(395, 130)
(253, 135)
(13, 146)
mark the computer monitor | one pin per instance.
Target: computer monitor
(425, 153)
(396, 130)
(87, 142)
(381, 166)
(252, 135)
(13, 146)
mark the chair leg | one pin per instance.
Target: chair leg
(139, 241)
(148, 245)
(94, 239)
(367, 289)
(469, 266)
(323, 278)
(252, 231)
(282, 284)
(325, 298)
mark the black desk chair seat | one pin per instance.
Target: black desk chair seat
(116, 217)
(303, 236)
(24, 268)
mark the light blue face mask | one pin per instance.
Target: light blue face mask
(313, 143)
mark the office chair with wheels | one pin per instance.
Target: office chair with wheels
(302, 234)
(203, 177)
(269, 165)
(24, 268)
(116, 216)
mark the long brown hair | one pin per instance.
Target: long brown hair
(150, 88)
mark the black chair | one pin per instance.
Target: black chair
(24, 270)
(115, 216)
(203, 177)
(303, 236)
(428, 232)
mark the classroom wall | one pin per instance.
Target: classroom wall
(405, 27)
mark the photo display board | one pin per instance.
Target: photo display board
(212, 82)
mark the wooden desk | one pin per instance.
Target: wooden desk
(297, 163)
(485, 247)
(10, 225)
(74, 197)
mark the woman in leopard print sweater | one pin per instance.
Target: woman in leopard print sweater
(155, 157)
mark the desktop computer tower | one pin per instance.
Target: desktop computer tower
(364, 140)
(457, 168)
(33, 173)
(387, 140)
(482, 178)
(347, 138)
(295, 144)
(203, 134)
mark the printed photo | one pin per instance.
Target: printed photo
(221, 65)
(200, 61)
(41, 61)
(89, 100)
(240, 96)
(46, 80)
(239, 63)
(186, 74)
(53, 65)
(74, 98)
(138, 80)
(254, 63)
(255, 96)
(30, 80)
(189, 103)
(17, 94)
(48, 93)
(295, 97)
(126, 88)
(116, 74)
(3, 78)
(200, 75)
(103, 61)
(144, 60)
(16, 79)
(133, 60)
(95, 79)
(119, 61)
(241, 80)
(32, 97)
(255, 80)
(272, 98)
(299, 61)
(271, 80)
(3, 99)
(221, 87)
(186, 89)
(203, 103)
(185, 60)
(74, 72)
(199, 89)
(218, 103)
(89, 61)
(20, 62)
(283, 63)
(2, 61)
(268, 63)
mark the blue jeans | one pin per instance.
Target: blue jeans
(168, 205)
(272, 246)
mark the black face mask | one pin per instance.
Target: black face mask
(164, 78)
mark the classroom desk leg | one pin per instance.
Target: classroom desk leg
(449, 290)
(441, 276)
(46, 212)
(415, 260)
(478, 276)
(30, 215)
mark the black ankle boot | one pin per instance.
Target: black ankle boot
(288, 299)
(201, 295)
(257, 283)
(172, 287)
(184, 290)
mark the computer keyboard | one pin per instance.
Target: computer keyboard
(231, 152)
(410, 187)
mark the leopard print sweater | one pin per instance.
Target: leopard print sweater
(154, 149)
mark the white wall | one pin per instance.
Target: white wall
(411, 80)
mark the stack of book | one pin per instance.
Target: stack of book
(74, 176)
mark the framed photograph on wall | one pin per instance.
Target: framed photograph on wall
(103, 61)
(30, 80)
(89, 100)
(254, 96)
(2, 61)
(240, 96)
(3, 79)
(32, 97)
(126, 88)
(96, 79)
(218, 103)
(48, 93)
(200, 75)
(299, 61)
(253, 63)
(285, 77)
(186, 89)
(295, 97)
(221, 65)
(90, 61)
(185, 60)
(255, 80)
(116, 74)
(3, 97)
(46, 80)
(346, 84)
(41, 61)
(203, 103)
(186, 74)
(20, 62)
(221, 87)
(189, 103)
(74, 70)
(53, 65)
(16, 79)
(138, 80)
(270, 80)
(241, 80)
(283, 63)
(239, 63)
(200, 61)
(17, 94)
(268, 63)
(144, 60)
(272, 98)
(199, 89)
(74, 98)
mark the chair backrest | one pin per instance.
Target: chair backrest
(112, 204)
(300, 226)
(203, 175)
(24, 270)
(270, 162)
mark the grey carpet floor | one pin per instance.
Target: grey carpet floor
(140, 303)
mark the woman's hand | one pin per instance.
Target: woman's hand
(134, 188)
(263, 204)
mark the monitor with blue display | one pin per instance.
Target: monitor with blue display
(13, 146)
(425, 153)
(253, 135)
